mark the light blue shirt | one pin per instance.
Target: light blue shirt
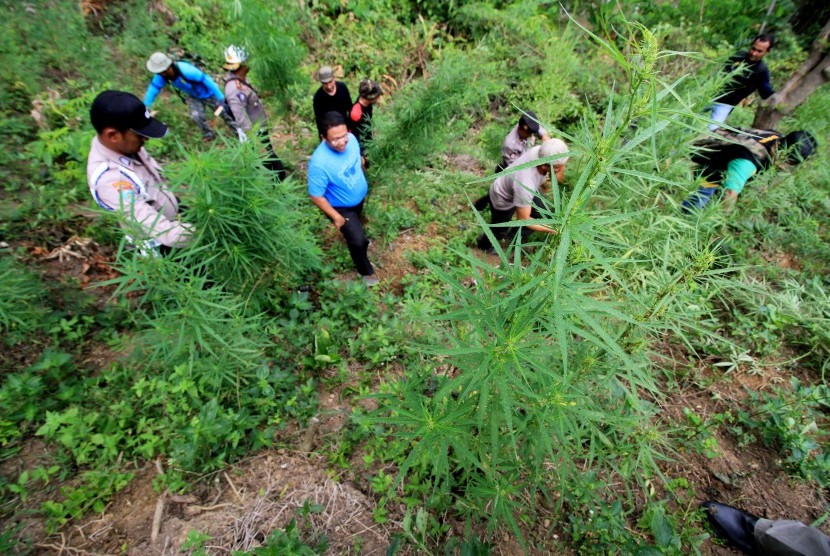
(192, 81)
(337, 176)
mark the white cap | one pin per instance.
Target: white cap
(553, 147)
(159, 62)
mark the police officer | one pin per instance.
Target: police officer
(246, 106)
(194, 87)
(124, 179)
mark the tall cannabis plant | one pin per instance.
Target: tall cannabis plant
(545, 384)
(252, 231)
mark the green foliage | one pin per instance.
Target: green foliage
(93, 493)
(271, 33)
(250, 234)
(21, 302)
(548, 365)
(61, 150)
(733, 21)
(285, 542)
(200, 29)
(789, 420)
(26, 395)
(426, 109)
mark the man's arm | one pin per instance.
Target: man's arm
(765, 87)
(328, 210)
(192, 73)
(120, 195)
(157, 83)
(523, 213)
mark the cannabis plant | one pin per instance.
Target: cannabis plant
(21, 308)
(545, 386)
(252, 231)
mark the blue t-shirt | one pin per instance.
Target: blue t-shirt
(337, 176)
(191, 81)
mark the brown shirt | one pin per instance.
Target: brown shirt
(244, 102)
(133, 186)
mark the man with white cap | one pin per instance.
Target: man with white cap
(246, 106)
(521, 137)
(194, 87)
(124, 179)
(332, 96)
(517, 192)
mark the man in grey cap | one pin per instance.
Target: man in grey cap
(332, 96)
(194, 87)
(360, 115)
(124, 179)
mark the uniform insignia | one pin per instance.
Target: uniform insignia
(241, 96)
(123, 186)
(125, 161)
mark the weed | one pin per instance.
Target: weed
(95, 490)
(788, 420)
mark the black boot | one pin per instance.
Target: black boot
(735, 526)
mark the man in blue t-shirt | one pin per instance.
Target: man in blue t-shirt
(337, 186)
(194, 87)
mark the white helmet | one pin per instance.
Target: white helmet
(235, 56)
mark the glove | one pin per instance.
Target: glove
(242, 137)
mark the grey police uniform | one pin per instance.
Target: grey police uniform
(514, 146)
(134, 187)
(245, 104)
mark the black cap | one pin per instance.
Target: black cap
(124, 111)
(528, 119)
(369, 89)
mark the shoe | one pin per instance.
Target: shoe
(371, 280)
(735, 526)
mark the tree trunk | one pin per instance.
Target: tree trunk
(812, 74)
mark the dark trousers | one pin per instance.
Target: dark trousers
(484, 201)
(272, 162)
(355, 238)
(500, 217)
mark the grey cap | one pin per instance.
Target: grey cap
(158, 62)
(325, 75)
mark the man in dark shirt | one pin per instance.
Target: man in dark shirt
(360, 116)
(753, 76)
(332, 96)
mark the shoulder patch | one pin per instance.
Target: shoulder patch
(241, 96)
(99, 171)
